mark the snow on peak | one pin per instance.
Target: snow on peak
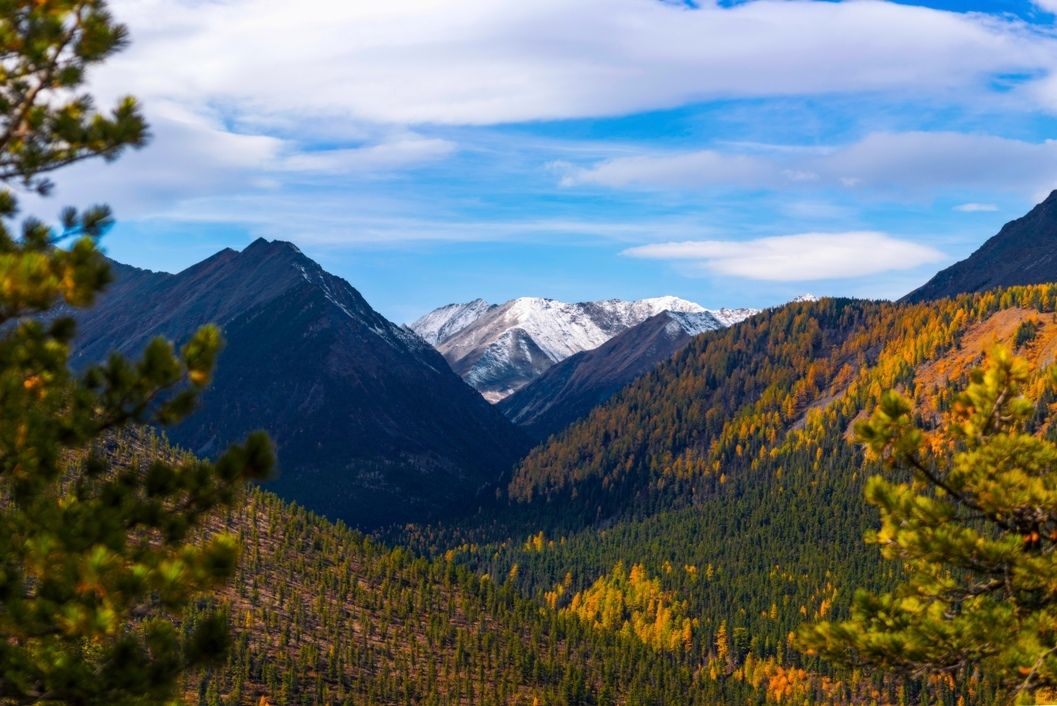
(446, 321)
(806, 297)
(560, 329)
(670, 303)
(729, 317)
(557, 328)
(692, 322)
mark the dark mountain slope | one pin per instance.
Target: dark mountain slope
(570, 389)
(371, 425)
(1023, 252)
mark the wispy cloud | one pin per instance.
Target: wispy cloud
(192, 158)
(904, 162)
(393, 153)
(976, 207)
(699, 168)
(339, 220)
(796, 258)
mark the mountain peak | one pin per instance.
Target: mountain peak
(444, 322)
(371, 426)
(669, 302)
(272, 246)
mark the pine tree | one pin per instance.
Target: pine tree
(975, 529)
(98, 562)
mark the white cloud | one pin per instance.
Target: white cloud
(494, 61)
(976, 207)
(796, 258)
(906, 162)
(910, 161)
(192, 157)
(698, 168)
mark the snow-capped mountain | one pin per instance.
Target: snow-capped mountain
(499, 348)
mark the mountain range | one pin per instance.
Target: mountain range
(692, 499)
(500, 348)
(371, 424)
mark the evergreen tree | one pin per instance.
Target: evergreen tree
(975, 529)
(97, 562)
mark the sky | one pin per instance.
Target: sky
(436, 151)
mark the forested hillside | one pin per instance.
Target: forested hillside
(322, 614)
(325, 615)
(728, 475)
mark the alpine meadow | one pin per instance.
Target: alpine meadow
(459, 353)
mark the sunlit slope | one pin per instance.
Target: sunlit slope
(787, 380)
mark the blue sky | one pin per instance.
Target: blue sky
(433, 151)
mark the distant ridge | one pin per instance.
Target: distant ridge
(500, 348)
(371, 424)
(1023, 252)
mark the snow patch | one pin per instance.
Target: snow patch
(729, 317)
(441, 324)
(693, 323)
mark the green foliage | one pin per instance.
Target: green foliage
(975, 530)
(1025, 333)
(46, 122)
(96, 562)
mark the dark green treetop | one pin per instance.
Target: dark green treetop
(975, 529)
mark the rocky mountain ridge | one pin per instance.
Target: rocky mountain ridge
(500, 348)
